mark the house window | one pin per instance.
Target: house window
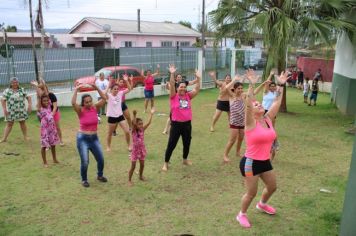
(148, 44)
(185, 44)
(71, 45)
(166, 44)
(128, 44)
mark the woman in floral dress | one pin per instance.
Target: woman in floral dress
(13, 104)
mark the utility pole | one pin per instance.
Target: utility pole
(33, 42)
(40, 18)
(203, 32)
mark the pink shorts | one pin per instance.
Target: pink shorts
(57, 116)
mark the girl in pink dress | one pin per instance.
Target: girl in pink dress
(49, 135)
(138, 144)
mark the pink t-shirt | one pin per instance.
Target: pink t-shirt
(259, 141)
(149, 81)
(114, 105)
(181, 107)
(88, 119)
(123, 95)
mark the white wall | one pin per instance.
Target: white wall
(345, 62)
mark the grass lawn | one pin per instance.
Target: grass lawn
(201, 199)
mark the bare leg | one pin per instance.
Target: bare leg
(215, 119)
(269, 179)
(230, 143)
(251, 184)
(152, 103)
(43, 154)
(168, 123)
(7, 131)
(146, 104)
(53, 150)
(126, 130)
(128, 117)
(133, 166)
(142, 166)
(59, 131)
(111, 128)
(24, 129)
(240, 138)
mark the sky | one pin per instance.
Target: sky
(66, 13)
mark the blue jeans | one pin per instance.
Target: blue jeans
(86, 143)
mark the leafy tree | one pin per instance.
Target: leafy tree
(281, 22)
(185, 23)
(11, 28)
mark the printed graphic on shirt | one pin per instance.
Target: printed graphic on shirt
(183, 103)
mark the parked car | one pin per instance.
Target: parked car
(112, 73)
(260, 64)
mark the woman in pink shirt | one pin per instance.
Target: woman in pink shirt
(181, 109)
(87, 138)
(149, 87)
(259, 135)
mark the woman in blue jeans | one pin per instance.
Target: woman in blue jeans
(87, 138)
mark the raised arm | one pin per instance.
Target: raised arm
(212, 75)
(29, 101)
(172, 86)
(157, 71)
(134, 112)
(196, 90)
(236, 78)
(250, 98)
(265, 84)
(272, 112)
(102, 94)
(75, 106)
(149, 119)
(129, 88)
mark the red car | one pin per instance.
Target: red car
(112, 73)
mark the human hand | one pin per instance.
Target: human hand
(251, 76)
(125, 76)
(212, 74)
(237, 78)
(282, 79)
(172, 69)
(34, 83)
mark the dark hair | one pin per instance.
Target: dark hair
(113, 85)
(178, 74)
(84, 97)
(272, 83)
(227, 76)
(237, 84)
(44, 96)
(307, 78)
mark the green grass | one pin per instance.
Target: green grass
(202, 199)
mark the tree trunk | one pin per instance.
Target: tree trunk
(33, 42)
(282, 67)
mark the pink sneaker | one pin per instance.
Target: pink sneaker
(266, 208)
(243, 220)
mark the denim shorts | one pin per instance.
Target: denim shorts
(149, 94)
(313, 96)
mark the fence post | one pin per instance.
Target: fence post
(70, 70)
(233, 62)
(201, 66)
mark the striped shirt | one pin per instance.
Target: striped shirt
(237, 112)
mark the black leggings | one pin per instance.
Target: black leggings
(178, 129)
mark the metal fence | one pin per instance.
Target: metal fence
(64, 65)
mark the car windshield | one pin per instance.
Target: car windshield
(106, 73)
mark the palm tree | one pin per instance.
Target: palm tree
(282, 22)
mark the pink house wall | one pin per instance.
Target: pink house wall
(87, 27)
(310, 65)
(140, 40)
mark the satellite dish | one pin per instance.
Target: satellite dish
(107, 28)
